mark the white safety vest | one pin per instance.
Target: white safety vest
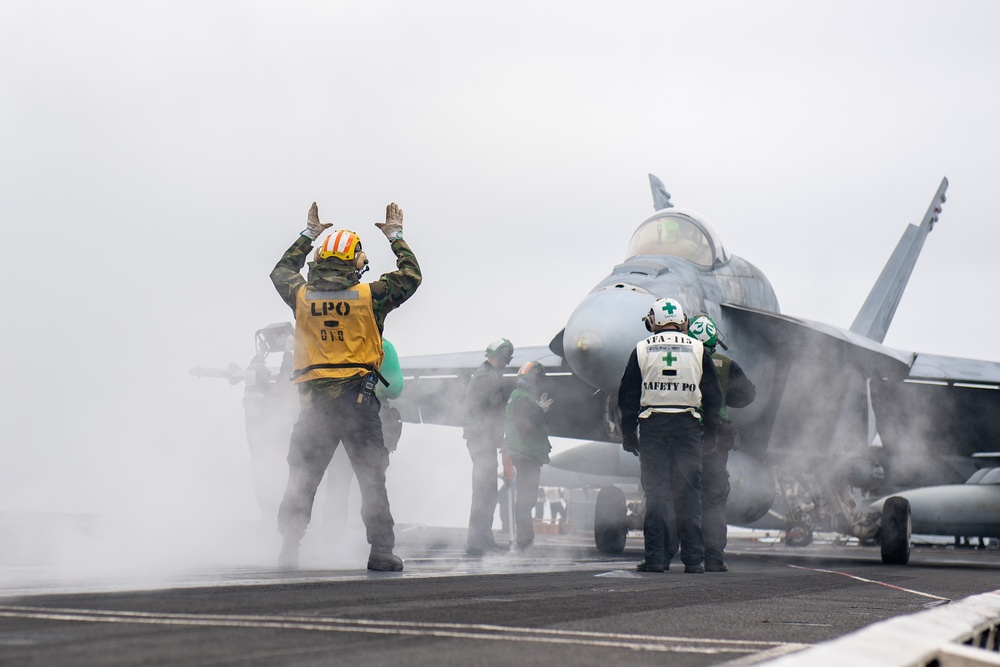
(671, 373)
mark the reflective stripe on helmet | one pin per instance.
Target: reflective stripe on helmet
(341, 244)
(530, 368)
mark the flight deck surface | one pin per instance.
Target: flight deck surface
(561, 602)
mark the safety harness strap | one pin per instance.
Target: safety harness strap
(303, 371)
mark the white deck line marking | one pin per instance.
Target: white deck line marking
(448, 630)
(872, 581)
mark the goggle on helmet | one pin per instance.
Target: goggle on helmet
(340, 244)
(499, 346)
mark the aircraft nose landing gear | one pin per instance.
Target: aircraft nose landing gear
(798, 534)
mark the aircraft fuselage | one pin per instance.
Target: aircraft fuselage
(605, 327)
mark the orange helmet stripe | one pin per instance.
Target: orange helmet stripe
(341, 244)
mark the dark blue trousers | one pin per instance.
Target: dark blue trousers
(670, 463)
(715, 493)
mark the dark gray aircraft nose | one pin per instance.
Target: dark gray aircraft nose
(602, 332)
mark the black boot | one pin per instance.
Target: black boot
(384, 561)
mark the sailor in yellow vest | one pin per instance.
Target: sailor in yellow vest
(671, 393)
(337, 353)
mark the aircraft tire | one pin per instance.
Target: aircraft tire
(798, 534)
(610, 520)
(894, 537)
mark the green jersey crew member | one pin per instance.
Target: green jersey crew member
(527, 444)
(338, 349)
(737, 392)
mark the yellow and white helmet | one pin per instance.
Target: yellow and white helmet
(341, 244)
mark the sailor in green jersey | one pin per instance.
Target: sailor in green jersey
(527, 444)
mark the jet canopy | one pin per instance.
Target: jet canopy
(679, 233)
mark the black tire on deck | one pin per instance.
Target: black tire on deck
(798, 534)
(894, 537)
(610, 522)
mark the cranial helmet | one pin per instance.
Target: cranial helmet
(499, 347)
(704, 329)
(531, 371)
(340, 244)
(664, 312)
(667, 230)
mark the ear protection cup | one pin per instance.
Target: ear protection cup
(360, 261)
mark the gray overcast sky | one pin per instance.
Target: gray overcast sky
(158, 157)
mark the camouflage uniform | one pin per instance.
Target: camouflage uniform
(328, 413)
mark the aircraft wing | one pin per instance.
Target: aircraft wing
(812, 388)
(946, 407)
(434, 388)
(975, 373)
(925, 407)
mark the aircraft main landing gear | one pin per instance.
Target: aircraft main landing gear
(610, 520)
(894, 536)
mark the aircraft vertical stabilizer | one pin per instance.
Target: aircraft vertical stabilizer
(876, 314)
(661, 198)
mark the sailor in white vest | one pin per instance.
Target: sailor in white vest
(670, 392)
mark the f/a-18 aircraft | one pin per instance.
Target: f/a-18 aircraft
(845, 434)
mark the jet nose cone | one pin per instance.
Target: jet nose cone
(601, 334)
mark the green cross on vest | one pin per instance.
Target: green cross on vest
(670, 359)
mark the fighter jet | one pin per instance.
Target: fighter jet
(841, 424)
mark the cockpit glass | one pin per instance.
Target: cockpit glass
(673, 234)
